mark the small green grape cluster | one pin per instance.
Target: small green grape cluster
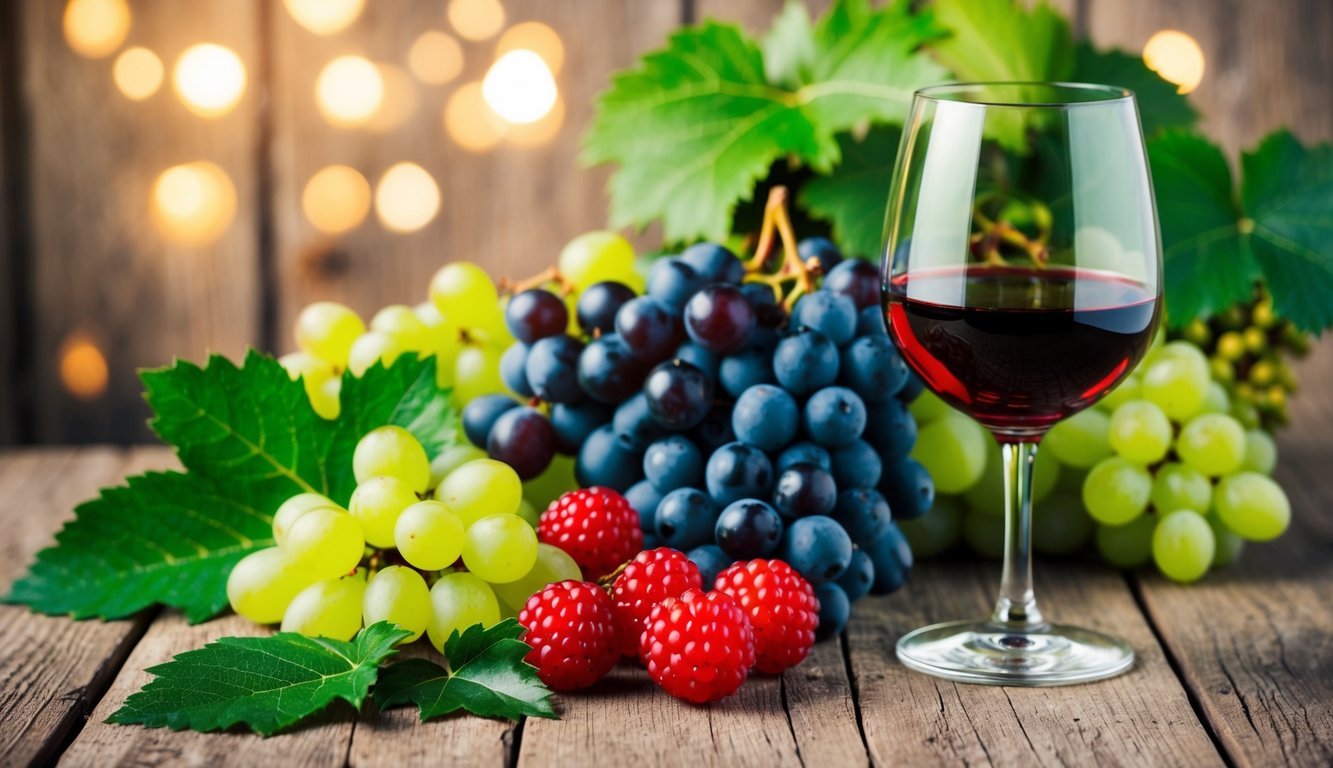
(1162, 469)
(393, 553)
(1250, 349)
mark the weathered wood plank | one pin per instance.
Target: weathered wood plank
(11, 283)
(821, 709)
(1142, 717)
(99, 265)
(54, 670)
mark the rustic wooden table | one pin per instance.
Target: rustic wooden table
(1235, 670)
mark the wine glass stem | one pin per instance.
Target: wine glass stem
(1017, 606)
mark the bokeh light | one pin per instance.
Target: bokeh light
(435, 58)
(83, 369)
(536, 37)
(1177, 57)
(407, 198)
(336, 199)
(324, 17)
(469, 122)
(519, 87)
(399, 102)
(349, 90)
(138, 73)
(542, 131)
(210, 79)
(96, 28)
(476, 19)
(193, 203)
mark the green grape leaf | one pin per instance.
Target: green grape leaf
(486, 675)
(854, 196)
(249, 440)
(264, 683)
(1161, 106)
(789, 46)
(997, 40)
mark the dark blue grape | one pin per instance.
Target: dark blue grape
(598, 305)
(890, 429)
(536, 314)
(574, 422)
(679, 395)
(872, 367)
(607, 371)
(715, 430)
(834, 417)
(864, 514)
(857, 280)
(673, 282)
(817, 547)
(523, 439)
(673, 462)
(859, 576)
(703, 359)
(634, 421)
(857, 466)
(644, 498)
(686, 518)
(765, 416)
(513, 369)
(719, 318)
(912, 389)
(870, 322)
(892, 556)
(803, 490)
(481, 414)
(835, 610)
(805, 362)
(609, 459)
(820, 248)
(804, 453)
(908, 488)
(831, 314)
(744, 369)
(760, 295)
(748, 528)
(710, 560)
(714, 262)
(650, 328)
(738, 471)
(552, 368)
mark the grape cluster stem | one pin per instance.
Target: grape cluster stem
(803, 272)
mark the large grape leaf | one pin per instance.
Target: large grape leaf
(997, 40)
(1161, 105)
(789, 46)
(264, 683)
(854, 196)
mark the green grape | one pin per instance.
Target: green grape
(552, 565)
(1129, 545)
(490, 329)
(500, 548)
(1129, 389)
(1183, 351)
(987, 494)
(1060, 525)
(1116, 491)
(1178, 486)
(376, 504)
(1262, 315)
(552, 483)
(326, 541)
(1217, 400)
(928, 407)
(305, 366)
(477, 373)
(1256, 341)
(262, 584)
(457, 601)
(372, 347)
(1228, 544)
(1230, 346)
(391, 452)
(326, 330)
(326, 398)
(528, 513)
(1183, 545)
(452, 458)
(1177, 385)
(329, 608)
(1080, 440)
(480, 488)
(595, 256)
(1245, 413)
(399, 595)
(1197, 333)
(953, 450)
(1071, 480)
(462, 290)
(1212, 443)
(1260, 452)
(1140, 431)
(1252, 505)
(431, 317)
(984, 533)
(937, 530)
(1222, 370)
(293, 508)
(400, 322)
(429, 536)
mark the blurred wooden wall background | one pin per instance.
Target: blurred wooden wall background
(80, 258)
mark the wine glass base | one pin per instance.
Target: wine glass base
(992, 654)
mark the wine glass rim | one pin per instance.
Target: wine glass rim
(953, 92)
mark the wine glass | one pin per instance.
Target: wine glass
(1022, 275)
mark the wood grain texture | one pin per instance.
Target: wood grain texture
(1143, 717)
(822, 710)
(98, 265)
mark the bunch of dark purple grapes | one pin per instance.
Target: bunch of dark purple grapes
(734, 430)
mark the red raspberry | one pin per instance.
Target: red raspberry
(572, 630)
(651, 577)
(699, 647)
(595, 526)
(781, 606)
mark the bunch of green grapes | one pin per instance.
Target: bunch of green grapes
(1249, 350)
(432, 556)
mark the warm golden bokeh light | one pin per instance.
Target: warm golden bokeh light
(138, 73)
(519, 87)
(349, 90)
(399, 102)
(210, 79)
(1175, 56)
(193, 203)
(407, 198)
(469, 122)
(83, 369)
(324, 17)
(96, 28)
(536, 37)
(541, 132)
(336, 199)
(476, 19)
(435, 58)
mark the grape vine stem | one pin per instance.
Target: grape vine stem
(778, 220)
